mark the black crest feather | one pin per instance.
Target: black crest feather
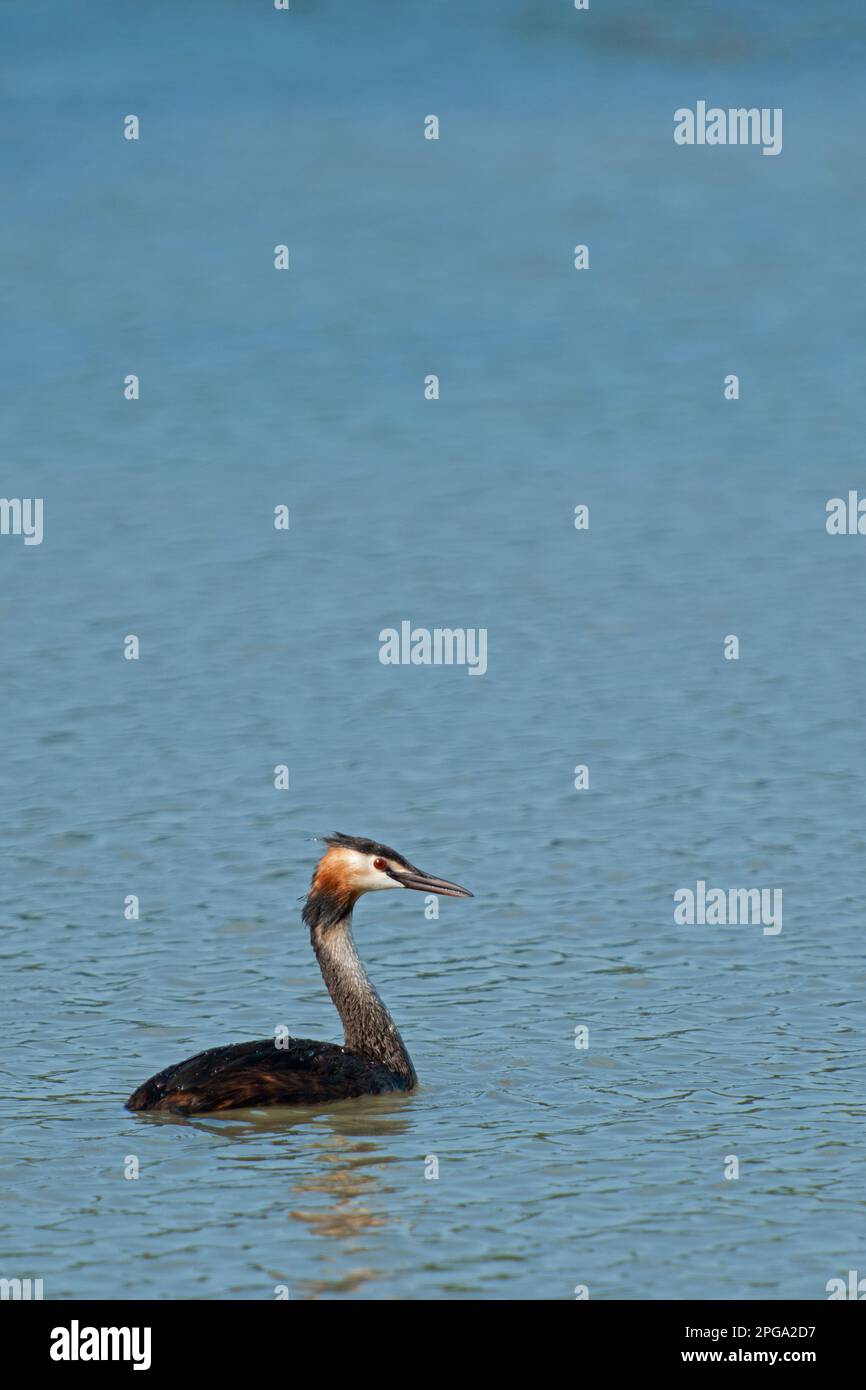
(366, 847)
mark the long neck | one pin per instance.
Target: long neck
(367, 1024)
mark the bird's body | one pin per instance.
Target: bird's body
(256, 1073)
(296, 1071)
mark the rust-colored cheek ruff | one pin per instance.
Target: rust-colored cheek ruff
(333, 892)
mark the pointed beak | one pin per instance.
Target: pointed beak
(426, 883)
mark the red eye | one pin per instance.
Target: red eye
(379, 864)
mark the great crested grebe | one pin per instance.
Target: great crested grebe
(295, 1071)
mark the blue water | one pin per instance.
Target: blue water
(558, 1167)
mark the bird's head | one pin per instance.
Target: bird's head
(351, 866)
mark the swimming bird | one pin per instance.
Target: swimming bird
(296, 1071)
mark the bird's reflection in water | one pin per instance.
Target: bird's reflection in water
(350, 1143)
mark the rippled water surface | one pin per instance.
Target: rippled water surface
(557, 1166)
